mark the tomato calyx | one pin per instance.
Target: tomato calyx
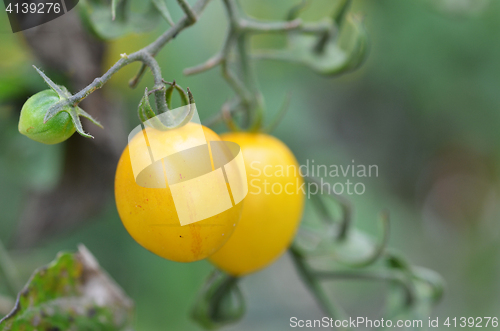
(186, 98)
(31, 124)
(167, 120)
(65, 105)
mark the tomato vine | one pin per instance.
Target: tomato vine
(313, 44)
(240, 28)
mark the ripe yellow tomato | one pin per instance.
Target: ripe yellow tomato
(149, 214)
(272, 209)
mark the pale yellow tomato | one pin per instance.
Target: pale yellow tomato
(272, 209)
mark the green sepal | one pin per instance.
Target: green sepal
(168, 95)
(184, 96)
(163, 9)
(75, 113)
(166, 121)
(147, 114)
(184, 118)
(60, 90)
(64, 104)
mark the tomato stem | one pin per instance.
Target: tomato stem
(307, 275)
(241, 28)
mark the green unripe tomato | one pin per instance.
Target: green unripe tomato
(56, 130)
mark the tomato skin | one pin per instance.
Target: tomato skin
(149, 214)
(56, 130)
(269, 221)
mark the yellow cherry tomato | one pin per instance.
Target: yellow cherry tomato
(272, 209)
(149, 214)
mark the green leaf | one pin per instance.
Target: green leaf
(114, 4)
(296, 10)
(162, 8)
(341, 11)
(98, 17)
(339, 55)
(335, 58)
(71, 293)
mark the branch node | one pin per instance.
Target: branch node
(190, 14)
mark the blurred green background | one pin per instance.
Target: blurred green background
(425, 108)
